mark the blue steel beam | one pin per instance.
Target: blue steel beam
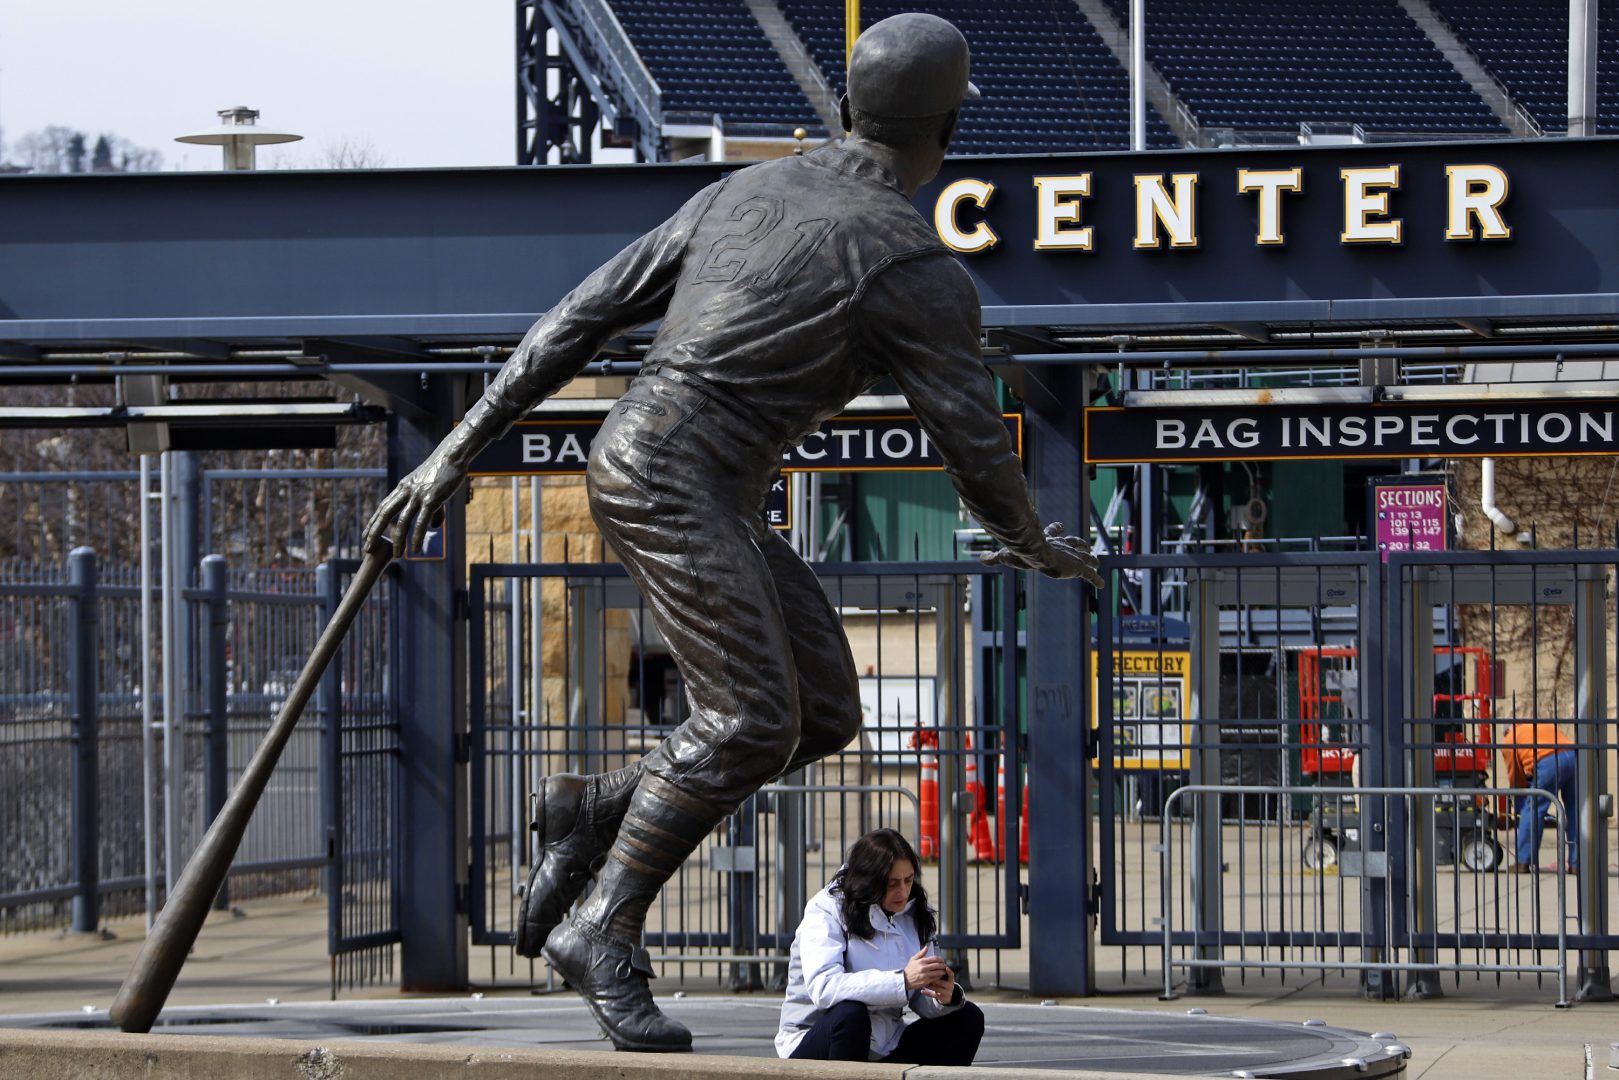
(459, 253)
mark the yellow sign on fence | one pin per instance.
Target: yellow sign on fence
(1149, 708)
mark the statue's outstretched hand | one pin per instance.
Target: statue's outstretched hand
(415, 506)
(1062, 557)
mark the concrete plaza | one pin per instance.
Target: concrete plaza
(277, 950)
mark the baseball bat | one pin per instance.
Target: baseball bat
(175, 930)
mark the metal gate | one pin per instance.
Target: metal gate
(569, 674)
(1213, 709)
(360, 789)
(1329, 798)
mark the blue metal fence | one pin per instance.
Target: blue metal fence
(78, 789)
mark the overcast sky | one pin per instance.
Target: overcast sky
(423, 82)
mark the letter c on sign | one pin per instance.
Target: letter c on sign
(980, 237)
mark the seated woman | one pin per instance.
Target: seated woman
(862, 954)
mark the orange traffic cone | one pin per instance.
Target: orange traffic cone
(1023, 825)
(1000, 806)
(928, 843)
(978, 821)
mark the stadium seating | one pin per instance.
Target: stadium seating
(1273, 64)
(710, 56)
(1524, 43)
(1049, 84)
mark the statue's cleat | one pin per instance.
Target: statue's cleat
(611, 976)
(567, 816)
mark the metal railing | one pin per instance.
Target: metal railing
(1385, 930)
(612, 66)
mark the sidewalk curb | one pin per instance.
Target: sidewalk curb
(111, 1055)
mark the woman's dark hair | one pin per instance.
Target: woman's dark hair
(863, 879)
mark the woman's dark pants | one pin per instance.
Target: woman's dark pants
(843, 1033)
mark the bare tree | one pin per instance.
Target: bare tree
(351, 152)
(61, 149)
(48, 150)
(127, 157)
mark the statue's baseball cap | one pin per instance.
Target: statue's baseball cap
(910, 65)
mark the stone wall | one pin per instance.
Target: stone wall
(1559, 500)
(567, 534)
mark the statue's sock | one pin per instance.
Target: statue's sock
(661, 827)
(610, 799)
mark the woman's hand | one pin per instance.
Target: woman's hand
(943, 988)
(924, 971)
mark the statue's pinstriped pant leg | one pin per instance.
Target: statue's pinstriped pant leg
(741, 614)
(579, 816)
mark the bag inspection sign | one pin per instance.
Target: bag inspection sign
(1308, 432)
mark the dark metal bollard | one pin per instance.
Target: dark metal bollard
(216, 779)
(86, 799)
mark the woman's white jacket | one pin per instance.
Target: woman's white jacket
(829, 965)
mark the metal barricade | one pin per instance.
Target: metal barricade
(1510, 653)
(1312, 921)
(569, 674)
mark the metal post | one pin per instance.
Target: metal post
(216, 783)
(148, 736)
(811, 483)
(1582, 67)
(86, 801)
(1138, 75)
(430, 613)
(1060, 815)
(1145, 519)
(1376, 612)
(792, 855)
(173, 738)
(1422, 875)
(537, 761)
(331, 771)
(744, 894)
(187, 558)
(954, 838)
(516, 796)
(1203, 609)
(1591, 779)
(587, 674)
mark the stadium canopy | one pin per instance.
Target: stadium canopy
(1451, 251)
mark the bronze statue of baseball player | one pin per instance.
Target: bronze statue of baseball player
(785, 289)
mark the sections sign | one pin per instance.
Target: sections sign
(1408, 516)
(1302, 432)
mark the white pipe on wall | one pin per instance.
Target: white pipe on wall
(1487, 500)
